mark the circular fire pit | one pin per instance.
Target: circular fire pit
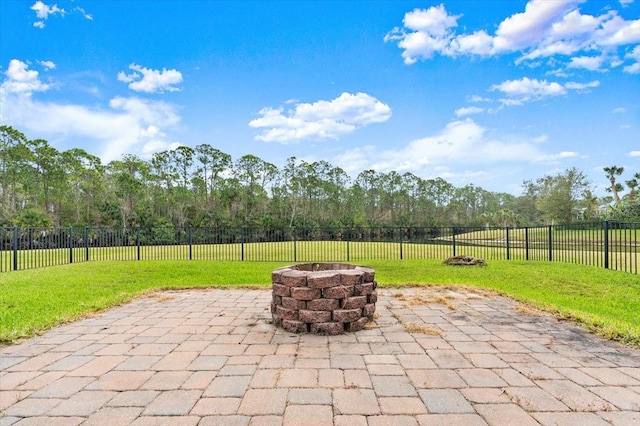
(323, 298)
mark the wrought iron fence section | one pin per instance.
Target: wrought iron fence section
(612, 245)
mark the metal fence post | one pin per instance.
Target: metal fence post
(15, 248)
(295, 246)
(190, 244)
(453, 238)
(526, 243)
(86, 243)
(550, 243)
(138, 241)
(348, 238)
(606, 244)
(401, 257)
(70, 245)
(508, 246)
(242, 243)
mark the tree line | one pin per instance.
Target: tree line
(203, 186)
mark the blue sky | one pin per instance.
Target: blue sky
(489, 93)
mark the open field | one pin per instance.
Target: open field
(32, 301)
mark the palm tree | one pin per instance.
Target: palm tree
(591, 206)
(633, 184)
(612, 172)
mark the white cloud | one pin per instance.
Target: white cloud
(476, 98)
(526, 29)
(43, 11)
(626, 2)
(555, 158)
(619, 110)
(435, 21)
(430, 33)
(20, 79)
(152, 132)
(634, 55)
(545, 29)
(591, 63)
(321, 119)
(84, 13)
(527, 90)
(461, 112)
(155, 145)
(558, 73)
(478, 43)
(582, 86)
(151, 81)
(634, 154)
(48, 65)
(540, 139)
(126, 125)
(461, 142)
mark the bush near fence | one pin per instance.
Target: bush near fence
(612, 245)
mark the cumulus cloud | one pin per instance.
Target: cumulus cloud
(544, 29)
(20, 79)
(591, 63)
(321, 119)
(634, 154)
(151, 81)
(429, 31)
(529, 89)
(44, 11)
(524, 30)
(125, 125)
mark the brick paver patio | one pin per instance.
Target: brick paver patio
(211, 357)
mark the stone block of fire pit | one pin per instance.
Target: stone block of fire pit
(323, 298)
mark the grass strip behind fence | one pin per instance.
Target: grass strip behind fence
(32, 301)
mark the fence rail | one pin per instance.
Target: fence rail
(612, 245)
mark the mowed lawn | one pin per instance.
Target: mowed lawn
(32, 301)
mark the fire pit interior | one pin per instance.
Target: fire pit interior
(323, 298)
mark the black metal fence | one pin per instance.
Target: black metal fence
(612, 245)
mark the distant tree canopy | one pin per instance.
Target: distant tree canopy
(202, 186)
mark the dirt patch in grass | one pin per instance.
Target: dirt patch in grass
(530, 311)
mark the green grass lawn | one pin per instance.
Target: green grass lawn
(32, 301)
